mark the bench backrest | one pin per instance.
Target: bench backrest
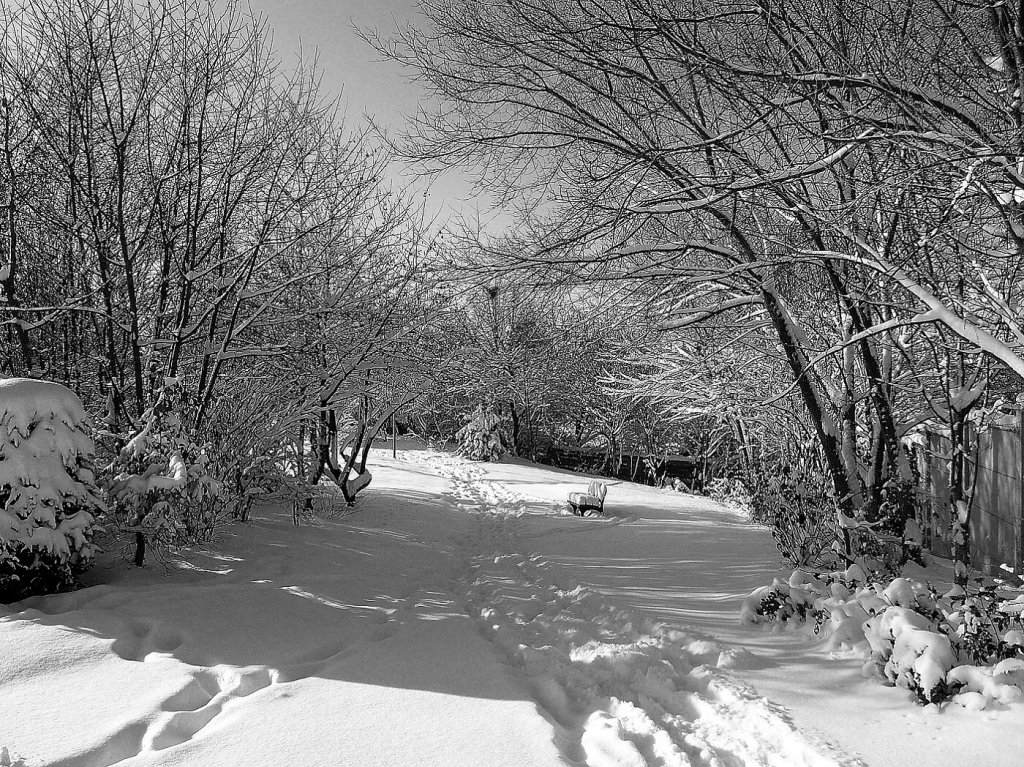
(597, 489)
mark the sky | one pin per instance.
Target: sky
(368, 85)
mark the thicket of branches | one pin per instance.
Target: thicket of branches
(181, 209)
(550, 364)
(830, 191)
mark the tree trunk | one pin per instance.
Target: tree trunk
(824, 426)
(300, 451)
(10, 297)
(514, 416)
(140, 541)
(828, 439)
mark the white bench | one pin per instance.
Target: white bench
(590, 503)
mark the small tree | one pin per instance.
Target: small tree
(48, 499)
(161, 477)
(483, 437)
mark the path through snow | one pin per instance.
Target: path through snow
(622, 689)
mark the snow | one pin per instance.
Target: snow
(462, 615)
(27, 400)
(140, 484)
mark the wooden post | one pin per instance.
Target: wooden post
(394, 438)
(1018, 564)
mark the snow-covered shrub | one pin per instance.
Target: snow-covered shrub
(246, 468)
(253, 453)
(889, 535)
(979, 685)
(804, 528)
(919, 658)
(796, 600)
(988, 628)
(161, 485)
(782, 604)
(677, 485)
(970, 650)
(48, 498)
(794, 500)
(731, 492)
(909, 647)
(483, 437)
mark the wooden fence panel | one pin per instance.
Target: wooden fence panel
(996, 517)
(997, 478)
(936, 486)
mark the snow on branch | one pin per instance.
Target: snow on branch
(964, 328)
(698, 315)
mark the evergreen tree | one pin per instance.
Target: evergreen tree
(48, 497)
(483, 437)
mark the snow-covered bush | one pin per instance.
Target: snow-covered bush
(161, 486)
(483, 437)
(799, 599)
(792, 497)
(731, 492)
(988, 629)
(970, 650)
(48, 498)
(254, 453)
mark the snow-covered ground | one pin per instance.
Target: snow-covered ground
(460, 616)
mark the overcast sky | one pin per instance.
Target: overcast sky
(353, 69)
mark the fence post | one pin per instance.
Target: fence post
(929, 484)
(927, 510)
(1018, 564)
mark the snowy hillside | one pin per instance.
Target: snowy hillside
(460, 616)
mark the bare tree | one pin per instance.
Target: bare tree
(816, 169)
(182, 212)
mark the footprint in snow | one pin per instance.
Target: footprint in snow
(221, 684)
(145, 637)
(625, 690)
